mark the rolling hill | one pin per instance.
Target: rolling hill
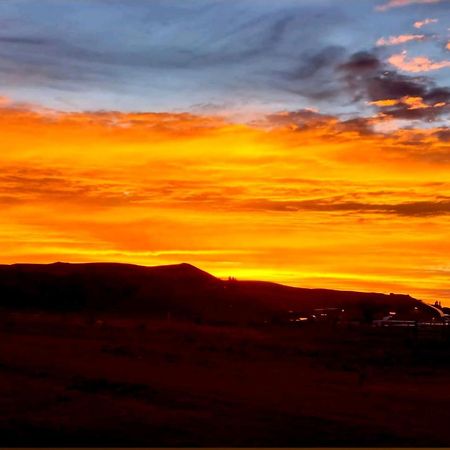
(182, 290)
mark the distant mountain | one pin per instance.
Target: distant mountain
(182, 290)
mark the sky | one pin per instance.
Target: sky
(299, 141)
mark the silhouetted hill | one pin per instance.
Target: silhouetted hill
(182, 290)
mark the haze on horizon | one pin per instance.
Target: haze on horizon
(300, 141)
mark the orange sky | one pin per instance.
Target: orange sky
(298, 198)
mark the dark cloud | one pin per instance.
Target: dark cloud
(417, 209)
(307, 119)
(361, 125)
(361, 63)
(22, 40)
(313, 76)
(443, 135)
(368, 78)
(392, 85)
(313, 63)
(302, 119)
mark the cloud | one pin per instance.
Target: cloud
(412, 103)
(22, 40)
(125, 186)
(416, 208)
(226, 49)
(153, 188)
(385, 102)
(401, 3)
(402, 39)
(328, 126)
(416, 64)
(361, 62)
(421, 23)
(314, 64)
(417, 103)
(4, 101)
(310, 72)
(443, 135)
(395, 95)
(246, 51)
(297, 120)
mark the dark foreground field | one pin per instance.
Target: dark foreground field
(67, 381)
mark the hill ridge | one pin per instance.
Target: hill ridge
(181, 289)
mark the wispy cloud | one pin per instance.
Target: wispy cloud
(418, 208)
(411, 103)
(401, 39)
(421, 23)
(401, 3)
(227, 49)
(416, 64)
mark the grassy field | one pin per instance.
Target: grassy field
(72, 381)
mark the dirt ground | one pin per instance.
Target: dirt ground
(69, 381)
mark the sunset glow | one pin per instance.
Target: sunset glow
(350, 191)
